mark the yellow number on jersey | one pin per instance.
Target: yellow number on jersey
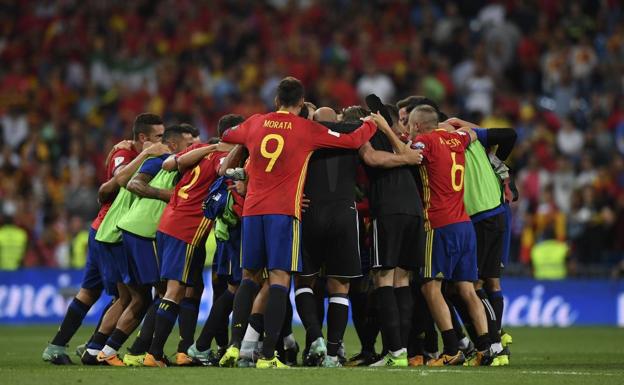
(457, 168)
(271, 155)
(182, 193)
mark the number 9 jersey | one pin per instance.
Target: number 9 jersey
(280, 145)
(442, 175)
(183, 217)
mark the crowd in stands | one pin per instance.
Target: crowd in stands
(74, 74)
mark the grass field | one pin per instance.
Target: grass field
(539, 356)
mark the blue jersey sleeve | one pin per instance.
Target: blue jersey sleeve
(482, 136)
(153, 165)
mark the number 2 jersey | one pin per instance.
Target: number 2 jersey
(183, 218)
(442, 175)
(280, 145)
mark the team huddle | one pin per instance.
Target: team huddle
(395, 211)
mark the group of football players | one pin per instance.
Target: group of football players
(395, 211)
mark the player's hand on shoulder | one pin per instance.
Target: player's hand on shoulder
(446, 126)
(123, 145)
(413, 156)
(470, 132)
(155, 149)
(381, 122)
(458, 123)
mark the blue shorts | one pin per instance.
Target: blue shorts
(143, 265)
(92, 278)
(451, 253)
(506, 235)
(228, 257)
(109, 256)
(180, 261)
(271, 242)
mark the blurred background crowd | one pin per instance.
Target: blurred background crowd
(75, 73)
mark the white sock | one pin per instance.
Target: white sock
(108, 351)
(497, 347)
(464, 342)
(93, 352)
(289, 342)
(398, 352)
(251, 334)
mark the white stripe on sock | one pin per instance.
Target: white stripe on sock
(304, 290)
(339, 300)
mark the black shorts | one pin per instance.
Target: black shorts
(330, 242)
(490, 245)
(398, 241)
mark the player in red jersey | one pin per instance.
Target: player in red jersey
(146, 128)
(181, 238)
(280, 145)
(450, 252)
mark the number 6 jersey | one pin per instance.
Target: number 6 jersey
(183, 217)
(442, 176)
(280, 145)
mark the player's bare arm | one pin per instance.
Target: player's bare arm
(139, 185)
(384, 159)
(469, 131)
(398, 146)
(170, 164)
(233, 159)
(191, 158)
(124, 173)
(458, 123)
(107, 191)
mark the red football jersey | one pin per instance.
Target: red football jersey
(118, 159)
(183, 217)
(280, 145)
(442, 174)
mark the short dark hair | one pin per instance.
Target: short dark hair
(354, 113)
(393, 111)
(143, 124)
(214, 140)
(409, 101)
(413, 101)
(175, 131)
(190, 129)
(228, 121)
(289, 92)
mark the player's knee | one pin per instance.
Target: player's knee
(492, 284)
(467, 292)
(338, 285)
(175, 291)
(431, 288)
(88, 296)
(252, 275)
(383, 277)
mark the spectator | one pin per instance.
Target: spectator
(570, 140)
(69, 91)
(375, 82)
(13, 242)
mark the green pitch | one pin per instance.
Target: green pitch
(539, 356)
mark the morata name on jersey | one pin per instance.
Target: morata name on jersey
(277, 124)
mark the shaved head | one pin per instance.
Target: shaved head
(325, 114)
(423, 118)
